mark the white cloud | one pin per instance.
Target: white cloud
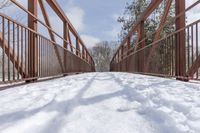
(193, 14)
(116, 27)
(76, 16)
(114, 32)
(90, 41)
(190, 2)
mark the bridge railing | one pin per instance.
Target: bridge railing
(164, 56)
(27, 55)
(162, 61)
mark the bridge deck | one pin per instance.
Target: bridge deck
(101, 103)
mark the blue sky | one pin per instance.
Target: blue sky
(97, 19)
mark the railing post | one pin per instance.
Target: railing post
(128, 44)
(65, 44)
(141, 45)
(128, 52)
(32, 41)
(83, 52)
(180, 57)
(77, 47)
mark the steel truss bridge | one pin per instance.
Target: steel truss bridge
(27, 55)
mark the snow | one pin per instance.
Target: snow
(102, 103)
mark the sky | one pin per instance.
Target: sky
(95, 20)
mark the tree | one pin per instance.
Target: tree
(102, 53)
(4, 3)
(132, 12)
(129, 18)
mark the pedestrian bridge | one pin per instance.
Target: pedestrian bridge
(28, 55)
(49, 84)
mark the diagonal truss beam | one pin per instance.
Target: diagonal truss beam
(194, 68)
(158, 31)
(58, 10)
(13, 57)
(67, 36)
(46, 19)
(41, 3)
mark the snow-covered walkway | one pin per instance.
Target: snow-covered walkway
(102, 103)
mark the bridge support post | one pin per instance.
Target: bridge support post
(32, 41)
(141, 45)
(65, 44)
(180, 48)
(77, 47)
(128, 48)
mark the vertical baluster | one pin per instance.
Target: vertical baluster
(18, 52)
(8, 50)
(13, 51)
(3, 52)
(28, 53)
(192, 47)
(47, 57)
(188, 45)
(25, 50)
(22, 43)
(38, 56)
(173, 55)
(197, 46)
(42, 56)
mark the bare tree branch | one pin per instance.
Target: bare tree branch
(4, 3)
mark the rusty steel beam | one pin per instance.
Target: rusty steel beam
(180, 49)
(158, 31)
(78, 47)
(32, 42)
(41, 3)
(65, 43)
(65, 34)
(163, 20)
(142, 44)
(70, 41)
(46, 19)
